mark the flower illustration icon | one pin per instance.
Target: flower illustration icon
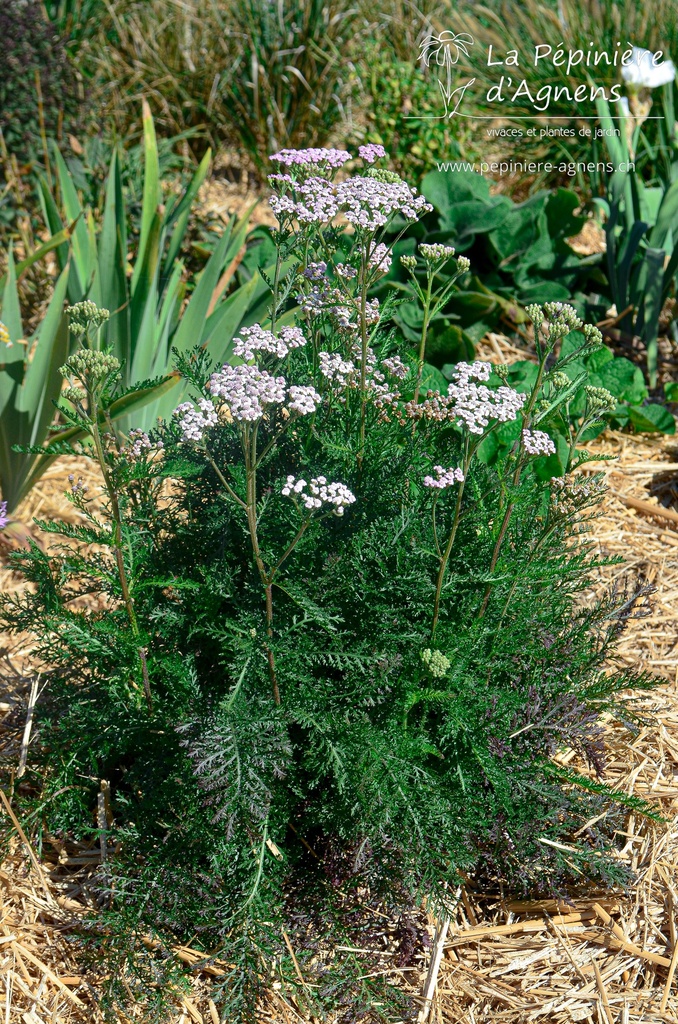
(446, 49)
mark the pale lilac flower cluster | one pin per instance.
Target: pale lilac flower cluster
(345, 373)
(247, 390)
(380, 258)
(316, 271)
(366, 202)
(369, 203)
(3, 515)
(78, 489)
(140, 443)
(303, 400)
(346, 271)
(312, 158)
(194, 422)
(471, 404)
(371, 152)
(372, 311)
(318, 492)
(314, 202)
(257, 339)
(538, 442)
(396, 367)
(444, 478)
(475, 405)
(338, 371)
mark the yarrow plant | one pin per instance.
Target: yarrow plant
(337, 645)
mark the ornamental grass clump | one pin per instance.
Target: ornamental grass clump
(334, 645)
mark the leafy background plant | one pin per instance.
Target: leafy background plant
(40, 96)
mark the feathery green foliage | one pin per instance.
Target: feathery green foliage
(320, 659)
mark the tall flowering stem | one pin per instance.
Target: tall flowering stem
(476, 410)
(248, 396)
(460, 477)
(94, 370)
(562, 320)
(434, 257)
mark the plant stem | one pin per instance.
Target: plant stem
(250, 445)
(363, 360)
(117, 546)
(450, 543)
(424, 333)
(527, 415)
(276, 286)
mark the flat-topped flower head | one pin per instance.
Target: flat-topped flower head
(444, 478)
(194, 422)
(538, 442)
(317, 493)
(247, 390)
(562, 317)
(312, 160)
(472, 406)
(369, 203)
(346, 271)
(371, 151)
(256, 339)
(302, 399)
(141, 444)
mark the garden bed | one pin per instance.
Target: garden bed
(595, 956)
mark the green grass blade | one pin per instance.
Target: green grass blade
(152, 194)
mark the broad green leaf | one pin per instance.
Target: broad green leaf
(652, 419)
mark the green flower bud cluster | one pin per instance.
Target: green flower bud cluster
(409, 262)
(436, 253)
(592, 334)
(560, 380)
(86, 314)
(536, 315)
(90, 367)
(562, 317)
(463, 264)
(599, 400)
(74, 395)
(389, 177)
(436, 662)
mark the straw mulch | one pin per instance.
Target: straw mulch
(601, 959)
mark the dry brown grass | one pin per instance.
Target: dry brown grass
(598, 959)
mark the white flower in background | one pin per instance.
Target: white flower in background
(444, 478)
(247, 390)
(318, 492)
(194, 422)
(303, 400)
(538, 442)
(642, 73)
(380, 258)
(257, 339)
